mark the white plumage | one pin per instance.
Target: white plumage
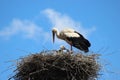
(73, 38)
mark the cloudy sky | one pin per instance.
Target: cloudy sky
(25, 28)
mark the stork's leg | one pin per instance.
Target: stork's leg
(71, 52)
(71, 47)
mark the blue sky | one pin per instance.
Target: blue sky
(25, 28)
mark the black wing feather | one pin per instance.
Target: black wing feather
(84, 40)
(80, 42)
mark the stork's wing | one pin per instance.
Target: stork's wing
(85, 40)
(79, 42)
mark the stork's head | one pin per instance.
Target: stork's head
(54, 31)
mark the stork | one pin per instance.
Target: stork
(73, 38)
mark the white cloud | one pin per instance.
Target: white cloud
(61, 21)
(23, 28)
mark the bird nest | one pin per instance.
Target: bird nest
(56, 65)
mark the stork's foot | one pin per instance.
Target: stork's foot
(70, 52)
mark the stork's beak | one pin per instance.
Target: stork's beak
(53, 34)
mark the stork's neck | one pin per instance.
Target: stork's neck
(57, 34)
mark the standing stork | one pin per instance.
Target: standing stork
(73, 38)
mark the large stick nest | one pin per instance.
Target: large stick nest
(55, 65)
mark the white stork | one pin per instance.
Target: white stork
(73, 38)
